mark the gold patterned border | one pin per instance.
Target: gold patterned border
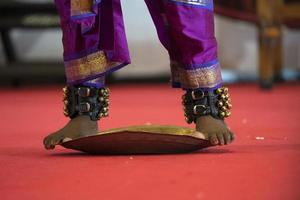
(206, 77)
(81, 7)
(89, 66)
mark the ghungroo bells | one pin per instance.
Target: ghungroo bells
(198, 103)
(86, 101)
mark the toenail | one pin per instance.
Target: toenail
(214, 141)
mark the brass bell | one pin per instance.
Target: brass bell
(219, 91)
(101, 99)
(66, 113)
(102, 91)
(65, 107)
(223, 97)
(65, 96)
(229, 105)
(220, 104)
(105, 114)
(188, 120)
(226, 103)
(65, 90)
(222, 114)
(66, 102)
(185, 113)
(225, 90)
(105, 109)
(105, 91)
(227, 114)
(224, 108)
(106, 102)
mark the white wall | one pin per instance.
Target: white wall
(237, 44)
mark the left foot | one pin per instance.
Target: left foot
(85, 106)
(80, 126)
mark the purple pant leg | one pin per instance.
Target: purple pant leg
(186, 29)
(94, 39)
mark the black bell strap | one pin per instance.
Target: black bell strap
(84, 100)
(199, 103)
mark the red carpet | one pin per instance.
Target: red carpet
(263, 163)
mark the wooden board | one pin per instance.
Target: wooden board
(147, 139)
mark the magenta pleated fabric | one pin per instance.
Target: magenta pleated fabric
(95, 43)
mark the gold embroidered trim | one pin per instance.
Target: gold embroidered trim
(207, 77)
(80, 7)
(194, 2)
(91, 65)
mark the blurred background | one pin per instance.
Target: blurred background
(249, 41)
(259, 44)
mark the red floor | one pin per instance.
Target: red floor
(263, 163)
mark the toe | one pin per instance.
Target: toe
(221, 139)
(57, 140)
(227, 137)
(50, 142)
(47, 143)
(214, 139)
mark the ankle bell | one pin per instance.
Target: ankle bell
(84, 100)
(197, 103)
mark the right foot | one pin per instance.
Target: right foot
(208, 110)
(215, 130)
(78, 127)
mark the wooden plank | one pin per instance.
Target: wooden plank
(291, 10)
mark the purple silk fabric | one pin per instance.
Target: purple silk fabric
(102, 30)
(95, 42)
(186, 31)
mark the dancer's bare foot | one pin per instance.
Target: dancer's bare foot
(215, 130)
(78, 127)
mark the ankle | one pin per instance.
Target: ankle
(84, 124)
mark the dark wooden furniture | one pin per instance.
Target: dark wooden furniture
(269, 16)
(14, 14)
